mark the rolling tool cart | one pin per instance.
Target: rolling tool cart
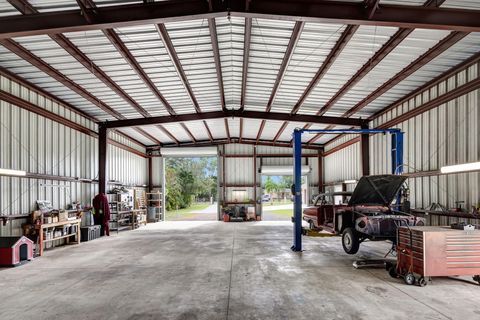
(425, 252)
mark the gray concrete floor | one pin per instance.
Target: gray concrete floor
(216, 270)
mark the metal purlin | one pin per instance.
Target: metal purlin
(397, 168)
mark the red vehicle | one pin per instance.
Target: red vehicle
(367, 215)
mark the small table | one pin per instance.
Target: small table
(41, 227)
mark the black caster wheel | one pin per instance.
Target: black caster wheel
(409, 278)
(422, 282)
(477, 278)
(393, 271)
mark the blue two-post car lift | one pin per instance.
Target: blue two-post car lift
(397, 167)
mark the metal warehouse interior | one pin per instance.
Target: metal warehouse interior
(343, 140)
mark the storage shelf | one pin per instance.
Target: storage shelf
(62, 237)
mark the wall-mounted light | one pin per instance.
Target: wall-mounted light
(461, 167)
(350, 181)
(11, 172)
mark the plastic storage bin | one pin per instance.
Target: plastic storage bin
(90, 233)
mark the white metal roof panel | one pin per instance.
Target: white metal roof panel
(198, 130)
(54, 5)
(230, 44)
(24, 69)
(313, 46)
(98, 48)
(270, 130)
(234, 126)
(461, 51)
(462, 4)
(6, 9)
(217, 128)
(364, 43)
(404, 2)
(250, 128)
(106, 3)
(193, 46)
(131, 132)
(158, 134)
(268, 44)
(417, 43)
(176, 130)
(50, 52)
(145, 45)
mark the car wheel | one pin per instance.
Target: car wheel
(350, 241)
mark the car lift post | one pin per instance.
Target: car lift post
(397, 168)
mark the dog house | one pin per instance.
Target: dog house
(15, 250)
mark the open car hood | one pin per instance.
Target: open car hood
(376, 190)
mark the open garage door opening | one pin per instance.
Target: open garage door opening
(191, 188)
(277, 197)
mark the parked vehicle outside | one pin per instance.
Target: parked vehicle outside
(266, 198)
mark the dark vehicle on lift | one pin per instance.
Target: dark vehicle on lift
(368, 214)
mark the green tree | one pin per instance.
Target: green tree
(189, 178)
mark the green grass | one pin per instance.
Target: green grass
(186, 211)
(277, 202)
(282, 212)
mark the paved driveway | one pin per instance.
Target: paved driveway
(207, 214)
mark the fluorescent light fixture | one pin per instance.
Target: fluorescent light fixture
(189, 152)
(461, 167)
(281, 170)
(350, 181)
(11, 172)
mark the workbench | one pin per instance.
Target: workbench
(42, 227)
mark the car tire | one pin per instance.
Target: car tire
(350, 241)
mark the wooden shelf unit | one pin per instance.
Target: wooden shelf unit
(42, 227)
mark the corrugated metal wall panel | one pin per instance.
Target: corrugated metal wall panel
(157, 171)
(35, 144)
(446, 135)
(343, 165)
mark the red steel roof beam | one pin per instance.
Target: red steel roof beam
(246, 57)
(216, 57)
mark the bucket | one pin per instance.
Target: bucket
(87, 219)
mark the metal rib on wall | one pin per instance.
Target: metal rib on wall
(446, 135)
(40, 146)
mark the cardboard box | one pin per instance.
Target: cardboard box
(62, 215)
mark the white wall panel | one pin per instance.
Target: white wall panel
(343, 165)
(38, 145)
(446, 135)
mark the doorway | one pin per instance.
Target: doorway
(277, 198)
(23, 252)
(191, 191)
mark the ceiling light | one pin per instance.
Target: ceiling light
(461, 167)
(11, 172)
(349, 181)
